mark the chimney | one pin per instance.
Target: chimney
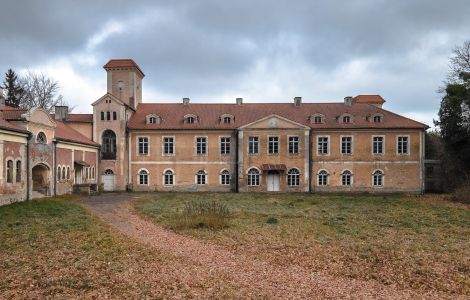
(61, 112)
(186, 101)
(348, 100)
(297, 101)
(239, 101)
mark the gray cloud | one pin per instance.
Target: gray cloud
(207, 49)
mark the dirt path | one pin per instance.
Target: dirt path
(253, 276)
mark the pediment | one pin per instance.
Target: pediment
(274, 122)
(106, 97)
(40, 117)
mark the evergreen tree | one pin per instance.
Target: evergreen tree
(13, 89)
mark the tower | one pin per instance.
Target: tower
(124, 81)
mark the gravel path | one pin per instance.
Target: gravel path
(254, 277)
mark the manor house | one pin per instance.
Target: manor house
(350, 146)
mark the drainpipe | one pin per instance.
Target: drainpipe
(310, 162)
(236, 161)
(54, 168)
(27, 167)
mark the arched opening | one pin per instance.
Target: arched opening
(272, 181)
(108, 180)
(41, 181)
(108, 145)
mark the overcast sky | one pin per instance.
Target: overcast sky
(261, 50)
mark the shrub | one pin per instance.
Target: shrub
(203, 214)
(272, 220)
(462, 194)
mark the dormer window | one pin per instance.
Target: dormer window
(346, 119)
(190, 119)
(317, 119)
(226, 119)
(153, 119)
(377, 119)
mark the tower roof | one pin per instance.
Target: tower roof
(122, 63)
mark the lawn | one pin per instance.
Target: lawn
(413, 242)
(54, 248)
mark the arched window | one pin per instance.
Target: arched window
(225, 177)
(293, 177)
(143, 177)
(253, 177)
(68, 172)
(378, 179)
(226, 119)
(18, 171)
(317, 118)
(168, 177)
(63, 173)
(323, 178)
(108, 172)
(346, 119)
(108, 145)
(59, 172)
(346, 177)
(201, 177)
(190, 119)
(41, 138)
(10, 171)
(153, 119)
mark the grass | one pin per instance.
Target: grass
(410, 241)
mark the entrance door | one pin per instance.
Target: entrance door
(273, 181)
(108, 180)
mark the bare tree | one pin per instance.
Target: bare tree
(459, 63)
(40, 91)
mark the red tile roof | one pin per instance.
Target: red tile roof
(66, 133)
(4, 124)
(122, 63)
(371, 99)
(80, 118)
(172, 115)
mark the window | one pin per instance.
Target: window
(153, 120)
(41, 138)
(323, 178)
(402, 145)
(378, 178)
(10, 171)
(377, 119)
(317, 119)
(322, 145)
(108, 115)
(226, 119)
(293, 177)
(143, 145)
(168, 145)
(201, 177)
(293, 145)
(346, 145)
(108, 172)
(273, 145)
(18, 171)
(102, 116)
(346, 178)
(58, 173)
(253, 145)
(114, 116)
(168, 177)
(143, 177)
(68, 172)
(225, 177)
(108, 145)
(347, 119)
(224, 145)
(253, 177)
(378, 145)
(63, 173)
(190, 119)
(201, 146)
(93, 173)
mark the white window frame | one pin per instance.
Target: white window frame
(298, 145)
(229, 145)
(257, 142)
(408, 144)
(206, 177)
(278, 144)
(163, 145)
(328, 145)
(373, 179)
(350, 177)
(327, 178)
(341, 144)
(372, 145)
(296, 175)
(221, 175)
(148, 177)
(248, 181)
(207, 145)
(148, 145)
(164, 177)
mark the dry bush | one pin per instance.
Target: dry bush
(202, 214)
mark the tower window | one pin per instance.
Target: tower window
(41, 138)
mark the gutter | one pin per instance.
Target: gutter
(236, 161)
(54, 167)
(27, 167)
(310, 161)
